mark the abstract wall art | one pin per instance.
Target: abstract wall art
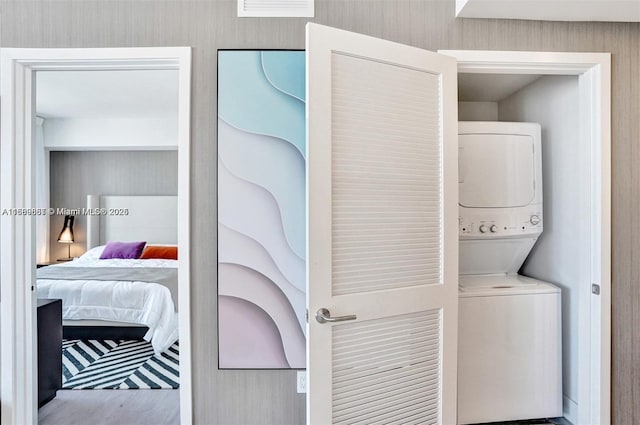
(261, 209)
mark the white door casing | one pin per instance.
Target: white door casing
(18, 365)
(382, 230)
(594, 325)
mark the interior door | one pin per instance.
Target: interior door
(382, 231)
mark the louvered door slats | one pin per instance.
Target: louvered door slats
(385, 160)
(386, 368)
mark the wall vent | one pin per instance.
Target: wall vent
(276, 8)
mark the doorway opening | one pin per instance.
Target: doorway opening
(567, 94)
(19, 187)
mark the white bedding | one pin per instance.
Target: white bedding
(140, 303)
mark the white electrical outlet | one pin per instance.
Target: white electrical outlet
(302, 381)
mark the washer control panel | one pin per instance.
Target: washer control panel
(500, 225)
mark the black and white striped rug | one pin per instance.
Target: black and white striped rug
(117, 364)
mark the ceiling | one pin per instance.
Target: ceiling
(491, 87)
(551, 10)
(107, 94)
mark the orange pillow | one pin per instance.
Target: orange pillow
(160, 251)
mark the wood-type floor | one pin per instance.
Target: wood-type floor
(112, 407)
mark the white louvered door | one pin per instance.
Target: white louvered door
(382, 231)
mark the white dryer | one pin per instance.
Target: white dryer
(500, 195)
(510, 347)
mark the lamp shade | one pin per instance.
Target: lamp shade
(66, 234)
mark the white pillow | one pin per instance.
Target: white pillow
(93, 253)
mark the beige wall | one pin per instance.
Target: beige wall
(244, 397)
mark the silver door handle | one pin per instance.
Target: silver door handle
(323, 316)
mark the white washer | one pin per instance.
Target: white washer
(510, 346)
(509, 361)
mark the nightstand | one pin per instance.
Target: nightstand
(49, 349)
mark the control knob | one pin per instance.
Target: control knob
(534, 219)
(493, 228)
(482, 228)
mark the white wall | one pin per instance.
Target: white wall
(478, 111)
(42, 193)
(111, 133)
(561, 254)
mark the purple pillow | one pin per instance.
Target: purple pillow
(124, 250)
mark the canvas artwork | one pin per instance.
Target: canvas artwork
(261, 209)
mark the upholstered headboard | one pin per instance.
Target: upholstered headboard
(153, 219)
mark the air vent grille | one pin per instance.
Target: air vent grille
(276, 8)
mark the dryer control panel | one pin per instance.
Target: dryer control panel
(496, 225)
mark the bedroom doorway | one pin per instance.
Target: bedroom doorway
(18, 90)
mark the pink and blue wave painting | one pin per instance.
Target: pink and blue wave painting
(261, 209)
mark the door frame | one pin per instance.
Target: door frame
(594, 79)
(18, 354)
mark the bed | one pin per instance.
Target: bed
(120, 298)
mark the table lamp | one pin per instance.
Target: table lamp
(66, 236)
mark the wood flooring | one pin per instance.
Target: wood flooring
(112, 407)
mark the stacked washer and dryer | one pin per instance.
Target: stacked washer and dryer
(510, 338)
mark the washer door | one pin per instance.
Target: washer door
(496, 170)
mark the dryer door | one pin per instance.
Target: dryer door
(496, 170)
